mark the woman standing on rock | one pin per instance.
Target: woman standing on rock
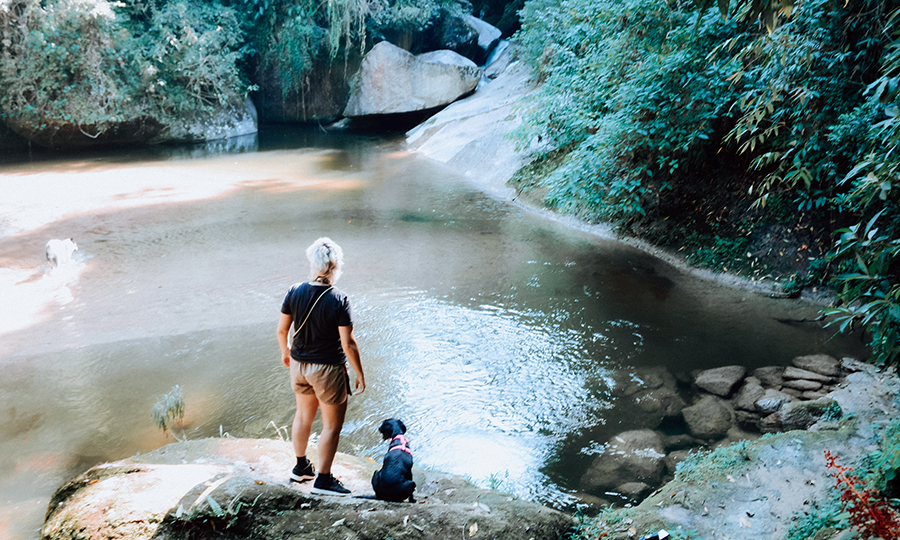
(319, 319)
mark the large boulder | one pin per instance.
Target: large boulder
(710, 418)
(223, 122)
(631, 456)
(721, 381)
(237, 488)
(218, 122)
(391, 80)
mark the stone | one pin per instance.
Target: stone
(226, 121)
(237, 488)
(770, 424)
(630, 456)
(720, 381)
(798, 373)
(803, 414)
(811, 395)
(793, 392)
(391, 80)
(769, 376)
(772, 401)
(709, 418)
(634, 490)
(819, 363)
(680, 442)
(672, 459)
(748, 395)
(747, 419)
(801, 384)
(664, 402)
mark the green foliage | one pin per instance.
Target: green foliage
(627, 87)
(168, 412)
(868, 252)
(189, 56)
(64, 61)
(68, 62)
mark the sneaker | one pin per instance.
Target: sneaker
(303, 473)
(327, 484)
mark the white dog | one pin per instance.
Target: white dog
(60, 251)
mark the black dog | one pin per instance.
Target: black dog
(394, 481)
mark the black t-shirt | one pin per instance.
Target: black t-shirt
(319, 341)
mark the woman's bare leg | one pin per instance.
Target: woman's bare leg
(307, 404)
(332, 422)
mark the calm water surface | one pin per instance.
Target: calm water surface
(493, 333)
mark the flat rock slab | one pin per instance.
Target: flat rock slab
(721, 381)
(237, 488)
(819, 363)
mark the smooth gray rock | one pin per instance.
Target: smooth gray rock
(772, 401)
(801, 384)
(769, 376)
(748, 395)
(819, 363)
(631, 456)
(391, 80)
(721, 381)
(799, 373)
(710, 418)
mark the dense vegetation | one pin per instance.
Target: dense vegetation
(93, 64)
(750, 146)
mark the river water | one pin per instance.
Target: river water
(492, 332)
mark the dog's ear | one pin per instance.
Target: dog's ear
(402, 426)
(385, 430)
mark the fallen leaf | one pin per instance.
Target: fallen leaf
(473, 529)
(259, 482)
(406, 521)
(370, 459)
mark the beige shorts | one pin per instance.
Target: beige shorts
(329, 382)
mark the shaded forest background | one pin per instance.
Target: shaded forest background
(752, 137)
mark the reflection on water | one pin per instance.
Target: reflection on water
(492, 333)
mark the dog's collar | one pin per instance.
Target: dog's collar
(403, 444)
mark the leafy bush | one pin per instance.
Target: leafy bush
(660, 108)
(65, 61)
(78, 62)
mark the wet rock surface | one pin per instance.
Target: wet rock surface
(237, 488)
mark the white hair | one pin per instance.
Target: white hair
(325, 259)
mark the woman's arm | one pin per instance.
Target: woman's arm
(351, 349)
(281, 333)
